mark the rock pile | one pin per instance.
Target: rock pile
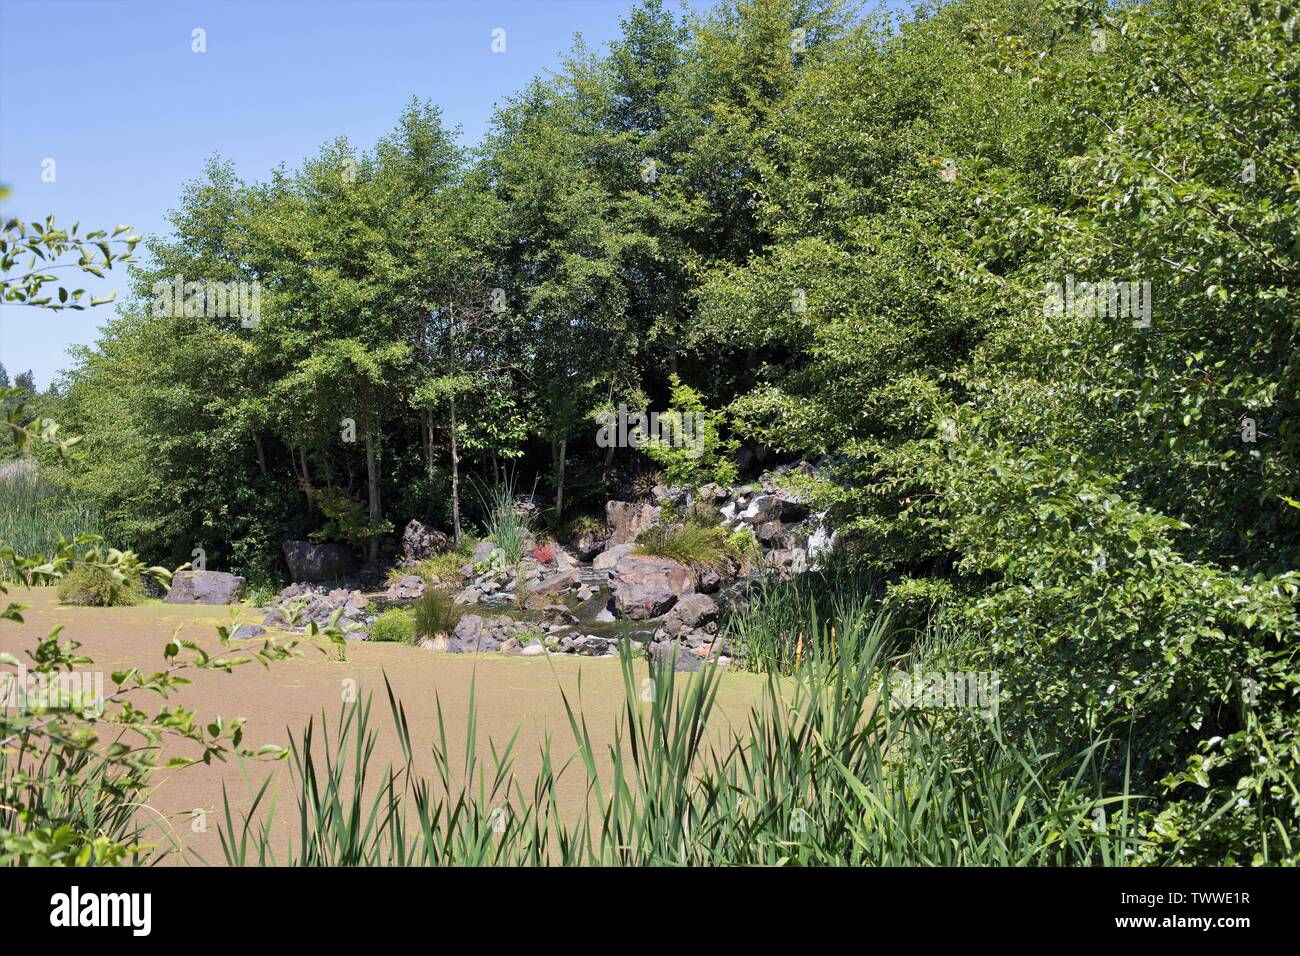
(301, 604)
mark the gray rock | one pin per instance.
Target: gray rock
(557, 615)
(606, 560)
(469, 595)
(309, 561)
(547, 589)
(482, 551)
(248, 630)
(627, 519)
(645, 586)
(587, 545)
(420, 542)
(787, 561)
(590, 646)
(663, 652)
(205, 587)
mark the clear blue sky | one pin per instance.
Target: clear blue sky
(112, 92)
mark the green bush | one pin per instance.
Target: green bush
(88, 586)
(396, 626)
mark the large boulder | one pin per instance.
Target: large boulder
(606, 560)
(547, 589)
(205, 587)
(309, 561)
(587, 544)
(692, 612)
(645, 586)
(627, 519)
(420, 541)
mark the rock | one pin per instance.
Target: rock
(759, 511)
(663, 494)
(661, 653)
(205, 587)
(585, 593)
(533, 648)
(562, 560)
(645, 586)
(587, 545)
(708, 580)
(558, 615)
(542, 593)
(770, 532)
(605, 616)
(792, 509)
(712, 492)
(408, 588)
(469, 595)
(693, 612)
(606, 560)
(483, 551)
(474, 635)
(626, 520)
(590, 646)
(318, 562)
(420, 541)
(248, 630)
(787, 561)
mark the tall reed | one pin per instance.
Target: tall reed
(826, 772)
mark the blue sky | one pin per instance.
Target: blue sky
(112, 92)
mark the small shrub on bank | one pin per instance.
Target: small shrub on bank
(583, 524)
(434, 614)
(690, 543)
(438, 568)
(395, 626)
(87, 586)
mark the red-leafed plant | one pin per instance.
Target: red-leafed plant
(543, 553)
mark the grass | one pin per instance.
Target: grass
(827, 772)
(509, 530)
(690, 543)
(35, 515)
(443, 568)
(781, 622)
(435, 614)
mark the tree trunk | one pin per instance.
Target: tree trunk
(559, 483)
(261, 454)
(376, 507)
(426, 434)
(455, 476)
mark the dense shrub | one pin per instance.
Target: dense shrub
(396, 625)
(89, 586)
